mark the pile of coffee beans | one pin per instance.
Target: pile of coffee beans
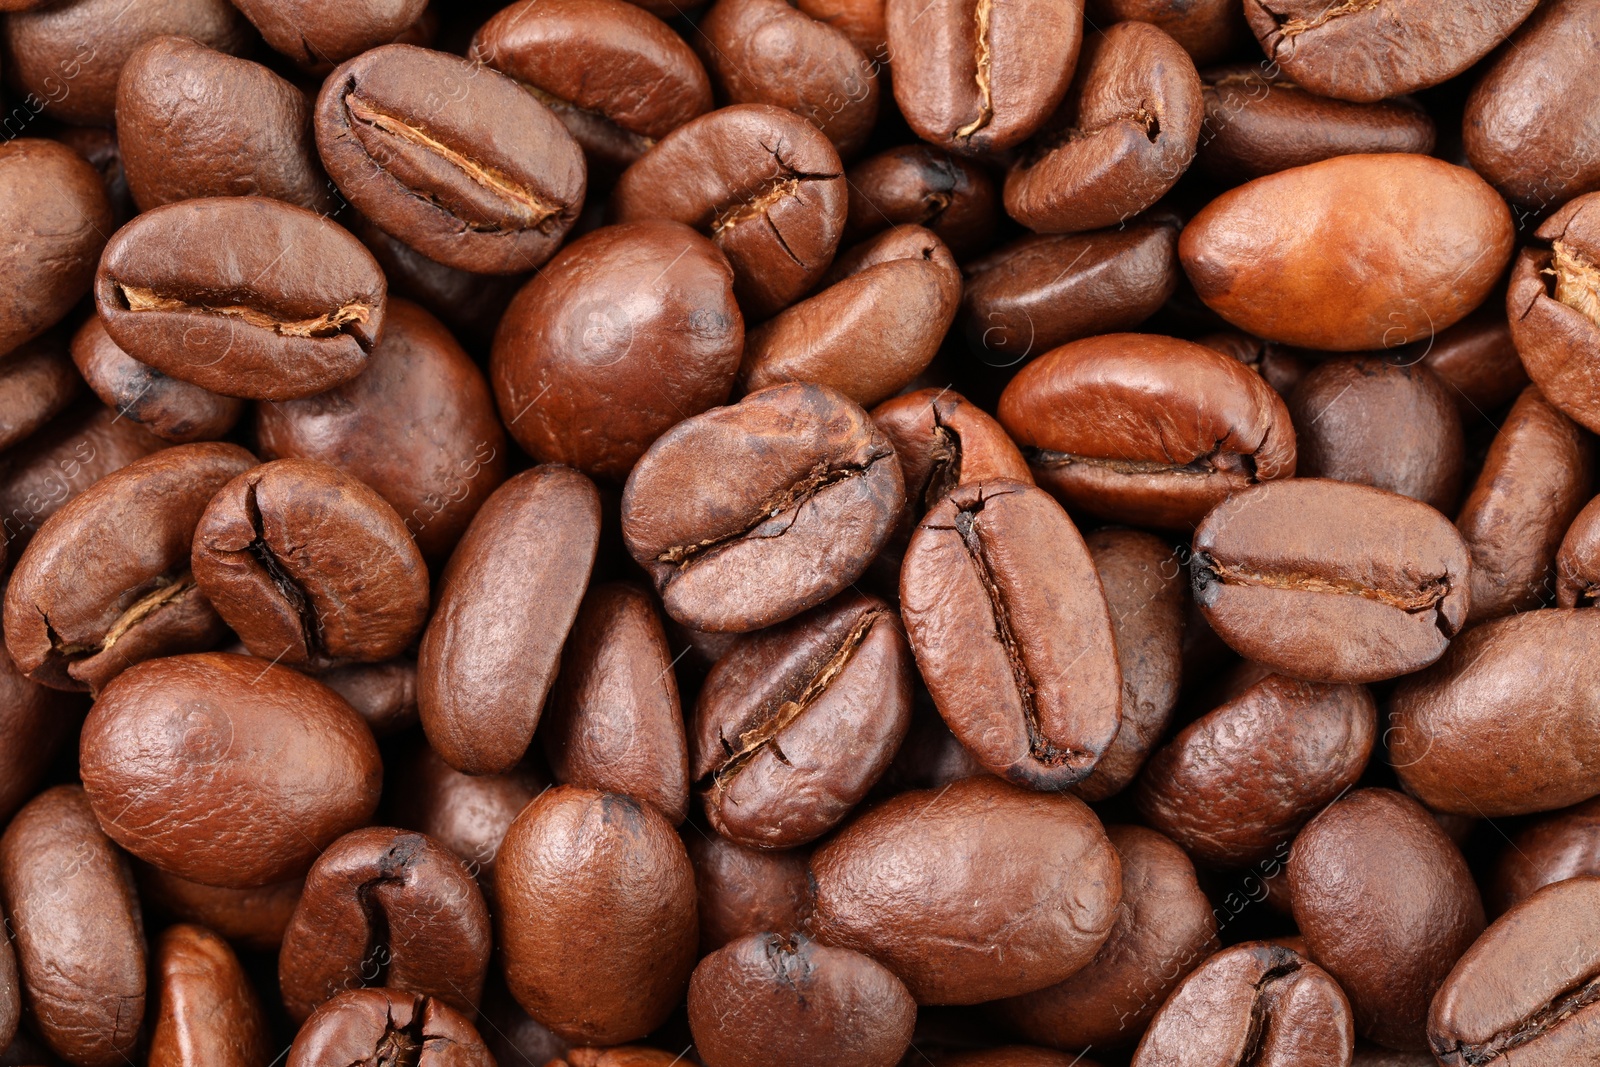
(800, 533)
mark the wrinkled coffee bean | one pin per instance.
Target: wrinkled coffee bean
(36, 383)
(1553, 849)
(378, 1027)
(742, 891)
(1554, 308)
(205, 1012)
(919, 185)
(943, 440)
(170, 408)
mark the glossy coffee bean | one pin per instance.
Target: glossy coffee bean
(742, 891)
(469, 304)
(920, 185)
(170, 408)
(1358, 252)
(37, 383)
(1387, 906)
(598, 926)
(1478, 362)
(1128, 130)
(506, 603)
(1563, 845)
(207, 730)
(1253, 1003)
(943, 440)
(1177, 427)
(249, 918)
(1331, 582)
(384, 1026)
(1578, 560)
(1282, 366)
(628, 331)
(1554, 307)
(384, 694)
(204, 1011)
(74, 915)
(832, 1005)
(126, 541)
(1208, 29)
(817, 497)
(971, 893)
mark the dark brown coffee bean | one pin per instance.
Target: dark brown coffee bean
(1578, 560)
(797, 722)
(1123, 137)
(818, 493)
(977, 78)
(383, 694)
(311, 34)
(1387, 906)
(1015, 1056)
(98, 144)
(619, 1056)
(1164, 929)
(763, 183)
(614, 722)
(919, 185)
(1177, 427)
(209, 730)
(171, 409)
(1476, 735)
(206, 1014)
(469, 304)
(36, 383)
(831, 1005)
(250, 918)
(1254, 1003)
(1331, 582)
(943, 440)
(450, 156)
(1357, 252)
(745, 891)
(506, 603)
(74, 915)
(557, 50)
(1554, 308)
(378, 1027)
(915, 883)
(1207, 29)
(1282, 366)
(131, 596)
(35, 721)
(1477, 360)
(930, 757)
(629, 330)
(887, 306)
(597, 923)
(1553, 849)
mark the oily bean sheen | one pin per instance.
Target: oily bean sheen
(742, 891)
(797, 722)
(1578, 560)
(1012, 634)
(170, 408)
(1506, 722)
(1386, 904)
(598, 925)
(243, 296)
(205, 1012)
(628, 331)
(831, 1005)
(1331, 582)
(1478, 361)
(1366, 52)
(36, 384)
(818, 493)
(383, 694)
(1148, 429)
(974, 76)
(225, 769)
(126, 541)
(1281, 365)
(378, 1027)
(1256, 1003)
(919, 185)
(1554, 307)
(1207, 29)
(970, 893)
(1560, 846)
(507, 601)
(1357, 252)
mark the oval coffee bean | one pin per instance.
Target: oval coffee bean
(1331, 582)
(1281, 365)
(1560, 846)
(1578, 560)
(250, 918)
(1386, 904)
(206, 1013)
(597, 923)
(383, 694)
(126, 541)
(311, 34)
(383, 1026)
(170, 408)
(1478, 361)
(943, 440)
(36, 383)
(243, 296)
(1177, 427)
(35, 722)
(920, 185)
(174, 744)
(742, 891)
(1554, 307)
(971, 893)
(507, 600)
(817, 497)
(1364, 251)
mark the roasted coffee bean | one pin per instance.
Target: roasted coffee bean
(943, 440)
(817, 496)
(1209, 30)
(171, 409)
(35, 722)
(1254, 1003)
(620, 1056)
(1358, 252)
(384, 1026)
(173, 745)
(205, 1012)
(1015, 1056)
(919, 185)
(652, 85)
(383, 694)
(1282, 366)
(614, 722)
(1478, 736)
(312, 34)
(72, 910)
(1537, 476)
(876, 326)
(126, 542)
(831, 1005)
(1234, 785)
(970, 893)
(36, 383)
(763, 183)
(194, 122)
(1554, 308)
(930, 757)
(451, 157)
(98, 144)
(629, 330)
(1578, 560)
(1164, 929)
(977, 78)
(470, 304)
(1331, 582)
(250, 918)
(506, 603)
(1387, 906)
(1124, 136)
(1176, 427)
(1477, 360)
(309, 565)
(597, 923)
(1553, 849)
(743, 891)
